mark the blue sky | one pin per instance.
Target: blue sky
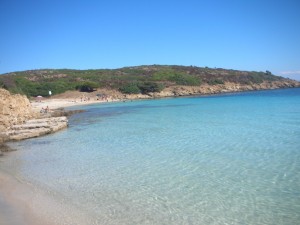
(246, 35)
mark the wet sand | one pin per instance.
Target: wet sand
(13, 209)
(10, 215)
(25, 204)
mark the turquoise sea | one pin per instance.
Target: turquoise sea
(223, 159)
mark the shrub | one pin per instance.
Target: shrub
(268, 72)
(183, 79)
(215, 82)
(256, 78)
(8, 82)
(1, 84)
(142, 87)
(147, 87)
(131, 88)
(87, 86)
(161, 75)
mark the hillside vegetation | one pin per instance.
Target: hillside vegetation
(139, 79)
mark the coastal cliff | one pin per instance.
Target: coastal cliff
(227, 87)
(205, 89)
(175, 91)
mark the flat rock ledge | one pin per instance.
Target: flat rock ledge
(35, 128)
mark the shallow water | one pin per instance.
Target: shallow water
(227, 159)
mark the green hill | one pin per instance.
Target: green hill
(139, 79)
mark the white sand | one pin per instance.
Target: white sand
(56, 103)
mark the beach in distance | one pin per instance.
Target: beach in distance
(222, 159)
(74, 98)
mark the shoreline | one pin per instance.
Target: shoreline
(24, 204)
(59, 106)
(58, 102)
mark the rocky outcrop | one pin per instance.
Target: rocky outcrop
(36, 127)
(14, 109)
(4, 148)
(17, 120)
(206, 89)
(62, 112)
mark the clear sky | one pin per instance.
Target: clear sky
(255, 35)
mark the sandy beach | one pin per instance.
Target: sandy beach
(75, 98)
(56, 103)
(23, 204)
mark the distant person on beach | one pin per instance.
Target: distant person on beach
(43, 110)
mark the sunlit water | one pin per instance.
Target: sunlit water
(228, 159)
